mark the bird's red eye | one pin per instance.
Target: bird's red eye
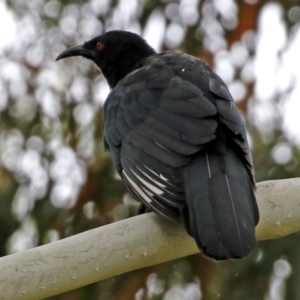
(100, 46)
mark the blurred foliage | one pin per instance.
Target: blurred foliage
(55, 178)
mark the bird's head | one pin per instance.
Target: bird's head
(116, 53)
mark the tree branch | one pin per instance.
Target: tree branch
(128, 245)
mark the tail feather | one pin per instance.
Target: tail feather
(222, 211)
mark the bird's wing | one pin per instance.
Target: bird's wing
(154, 122)
(231, 118)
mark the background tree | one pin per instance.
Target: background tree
(56, 180)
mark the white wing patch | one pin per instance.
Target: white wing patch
(148, 184)
(163, 178)
(152, 179)
(156, 174)
(138, 190)
(154, 189)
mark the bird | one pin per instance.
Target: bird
(177, 140)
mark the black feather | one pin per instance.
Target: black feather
(178, 141)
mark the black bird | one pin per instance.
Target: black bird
(177, 140)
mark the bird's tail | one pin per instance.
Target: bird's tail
(221, 207)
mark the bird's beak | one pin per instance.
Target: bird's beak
(79, 50)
